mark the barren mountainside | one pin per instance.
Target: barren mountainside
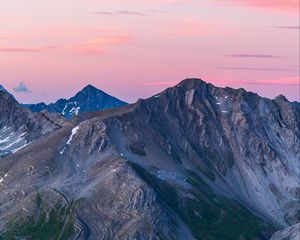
(193, 162)
(20, 127)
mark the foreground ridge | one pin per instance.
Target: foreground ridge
(192, 162)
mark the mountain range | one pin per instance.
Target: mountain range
(87, 100)
(195, 161)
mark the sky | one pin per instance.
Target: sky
(136, 48)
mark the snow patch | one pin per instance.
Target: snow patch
(64, 110)
(75, 110)
(20, 138)
(74, 131)
(5, 140)
(19, 148)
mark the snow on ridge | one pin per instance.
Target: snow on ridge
(4, 140)
(12, 141)
(74, 131)
(19, 148)
(63, 111)
(75, 110)
(19, 139)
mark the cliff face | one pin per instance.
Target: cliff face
(244, 146)
(20, 127)
(194, 162)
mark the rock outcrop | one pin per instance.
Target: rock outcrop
(20, 127)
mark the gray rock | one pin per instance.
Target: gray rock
(290, 233)
(194, 162)
(20, 127)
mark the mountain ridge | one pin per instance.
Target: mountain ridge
(192, 162)
(20, 127)
(87, 100)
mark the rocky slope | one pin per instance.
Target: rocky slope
(20, 127)
(194, 162)
(290, 233)
(88, 99)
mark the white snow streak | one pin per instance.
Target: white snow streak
(74, 131)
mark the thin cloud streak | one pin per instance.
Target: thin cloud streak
(155, 84)
(254, 69)
(108, 39)
(290, 81)
(252, 56)
(27, 50)
(278, 5)
(98, 45)
(287, 27)
(120, 13)
(88, 51)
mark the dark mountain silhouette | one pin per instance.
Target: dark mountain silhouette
(89, 99)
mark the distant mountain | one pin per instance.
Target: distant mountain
(20, 127)
(193, 162)
(89, 99)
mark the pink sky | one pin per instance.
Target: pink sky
(133, 48)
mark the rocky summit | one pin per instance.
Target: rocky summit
(87, 100)
(193, 162)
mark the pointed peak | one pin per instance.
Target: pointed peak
(89, 87)
(89, 90)
(281, 97)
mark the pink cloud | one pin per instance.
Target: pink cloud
(5, 36)
(120, 13)
(155, 84)
(280, 5)
(255, 69)
(291, 81)
(26, 49)
(98, 45)
(252, 56)
(88, 50)
(191, 28)
(108, 40)
(287, 27)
